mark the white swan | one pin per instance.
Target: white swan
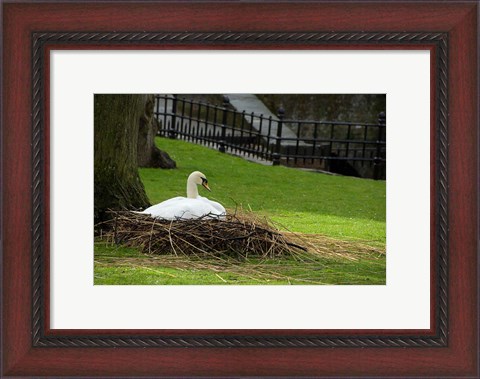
(192, 206)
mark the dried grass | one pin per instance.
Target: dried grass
(237, 235)
(225, 245)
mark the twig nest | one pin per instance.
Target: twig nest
(236, 235)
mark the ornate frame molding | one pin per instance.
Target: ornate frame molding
(41, 39)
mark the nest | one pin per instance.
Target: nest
(237, 235)
(241, 245)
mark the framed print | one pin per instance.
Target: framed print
(73, 305)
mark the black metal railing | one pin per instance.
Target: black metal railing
(349, 148)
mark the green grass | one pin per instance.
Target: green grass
(340, 207)
(127, 266)
(302, 201)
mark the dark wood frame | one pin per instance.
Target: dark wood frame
(449, 348)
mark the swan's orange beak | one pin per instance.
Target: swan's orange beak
(206, 186)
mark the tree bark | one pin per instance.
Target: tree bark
(117, 184)
(148, 154)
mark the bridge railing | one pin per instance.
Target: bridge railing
(349, 148)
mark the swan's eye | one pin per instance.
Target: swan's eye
(205, 183)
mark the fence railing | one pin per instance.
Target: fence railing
(348, 148)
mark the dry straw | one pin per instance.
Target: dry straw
(237, 244)
(238, 236)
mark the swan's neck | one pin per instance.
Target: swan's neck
(192, 191)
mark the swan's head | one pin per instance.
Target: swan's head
(200, 179)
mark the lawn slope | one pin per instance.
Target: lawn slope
(344, 208)
(302, 201)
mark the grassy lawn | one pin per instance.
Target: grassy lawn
(121, 265)
(344, 208)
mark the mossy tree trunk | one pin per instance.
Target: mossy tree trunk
(116, 129)
(148, 154)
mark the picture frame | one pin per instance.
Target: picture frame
(448, 30)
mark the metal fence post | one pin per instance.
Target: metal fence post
(278, 146)
(226, 102)
(172, 132)
(377, 163)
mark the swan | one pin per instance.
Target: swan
(190, 207)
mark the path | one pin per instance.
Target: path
(250, 103)
(241, 102)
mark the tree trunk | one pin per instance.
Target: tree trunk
(117, 184)
(148, 154)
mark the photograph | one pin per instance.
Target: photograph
(201, 189)
(240, 189)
